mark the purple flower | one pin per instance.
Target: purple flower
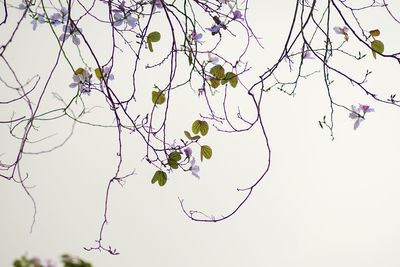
(366, 108)
(237, 15)
(212, 59)
(121, 18)
(355, 114)
(81, 79)
(158, 3)
(195, 169)
(343, 31)
(40, 19)
(188, 152)
(70, 31)
(214, 29)
(307, 55)
(196, 36)
(50, 263)
(61, 17)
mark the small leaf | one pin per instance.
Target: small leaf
(214, 83)
(188, 135)
(196, 127)
(231, 77)
(154, 37)
(190, 58)
(218, 71)
(150, 45)
(375, 32)
(206, 152)
(157, 97)
(175, 156)
(173, 164)
(193, 138)
(99, 73)
(159, 176)
(203, 128)
(377, 46)
(80, 71)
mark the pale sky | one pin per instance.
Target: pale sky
(323, 203)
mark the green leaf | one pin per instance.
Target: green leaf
(231, 77)
(157, 97)
(150, 46)
(196, 127)
(206, 152)
(218, 71)
(214, 83)
(190, 58)
(377, 46)
(154, 37)
(99, 73)
(159, 176)
(200, 126)
(193, 138)
(80, 71)
(175, 156)
(188, 135)
(173, 164)
(203, 128)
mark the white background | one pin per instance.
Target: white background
(323, 203)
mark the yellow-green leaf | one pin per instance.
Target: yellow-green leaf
(173, 164)
(206, 152)
(154, 37)
(203, 128)
(231, 77)
(377, 46)
(80, 71)
(196, 127)
(159, 176)
(190, 58)
(375, 32)
(214, 82)
(175, 156)
(218, 71)
(157, 97)
(200, 126)
(99, 73)
(193, 138)
(150, 45)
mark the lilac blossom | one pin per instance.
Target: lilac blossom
(237, 15)
(82, 81)
(307, 55)
(59, 17)
(40, 19)
(50, 263)
(355, 114)
(107, 76)
(215, 28)
(158, 3)
(195, 169)
(71, 31)
(120, 18)
(22, 5)
(188, 152)
(343, 31)
(213, 60)
(196, 36)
